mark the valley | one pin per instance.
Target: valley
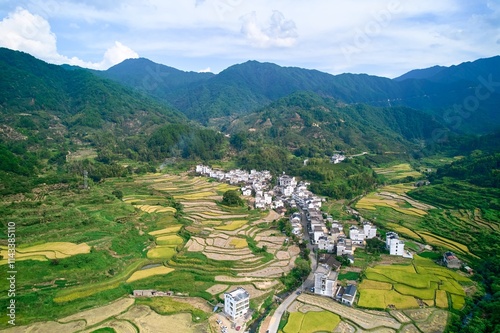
(115, 232)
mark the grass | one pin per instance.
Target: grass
(145, 273)
(104, 330)
(94, 288)
(348, 276)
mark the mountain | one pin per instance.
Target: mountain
(77, 98)
(424, 73)
(305, 122)
(247, 87)
(48, 110)
(147, 76)
(467, 71)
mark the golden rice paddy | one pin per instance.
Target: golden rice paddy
(145, 273)
(232, 225)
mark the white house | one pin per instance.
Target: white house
(325, 280)
(344, 246)
(286, 180)
(326, 243)
(369, 230)
(246, 191)
(236, 303)
(268, 198)
(287, 190)
(278, 203)
(395, 246)
(355, 235)
(337, 158)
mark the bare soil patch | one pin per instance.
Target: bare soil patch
(409, 329)
(265, 272)
(149, 321)
(344, 327)
(96, 315)
(120, 326)
(217, 289)
(49, 326)
(400, 316)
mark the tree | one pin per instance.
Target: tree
(232, 198)
(118, 194)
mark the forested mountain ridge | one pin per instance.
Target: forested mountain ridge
(47, 111)
(305, 122)
(247, 87)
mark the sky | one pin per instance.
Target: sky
(377, 37)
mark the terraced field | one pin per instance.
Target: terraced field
(169, 233)
(402, 286)
(394, 197)
(349, 320)
(122, 316)
(398, 171)
(219, 235)
(45, 251)
(410, 218)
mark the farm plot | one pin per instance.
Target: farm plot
(45, 251)
(145, 273)
(149, 321)
(400, 286)
(398, 171)
(361, 318)
(311, 322)
(97, 315)
(444, 242)
(397, 203)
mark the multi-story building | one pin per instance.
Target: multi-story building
(325, 280)
(369, 230)
(236, 303)
(395, 246)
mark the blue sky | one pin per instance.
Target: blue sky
(379, 37)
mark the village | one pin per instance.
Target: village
(323, 233)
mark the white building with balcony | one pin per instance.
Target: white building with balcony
(236, 303)
(325, 281)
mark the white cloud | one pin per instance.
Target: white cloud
(205, 70)
(24, 31)
(278, 32)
